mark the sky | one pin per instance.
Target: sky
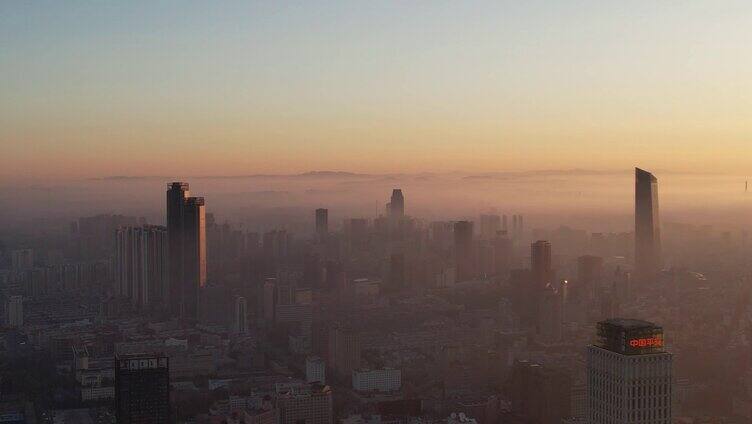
(93, 89)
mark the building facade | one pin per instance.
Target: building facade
(629, 374)
(142, 389)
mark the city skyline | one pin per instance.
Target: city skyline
(382, 212)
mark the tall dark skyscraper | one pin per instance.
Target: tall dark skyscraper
(540, 263)
(463, 250)
(186, 230)
(397, 204)
(176, 195)
(647, 226)
(322, 222)
(142, 389)
(194, 254)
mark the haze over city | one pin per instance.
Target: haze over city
(480, 212)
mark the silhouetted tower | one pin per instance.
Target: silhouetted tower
(540, 263)
(397, 204)
(647, 226)
(186, 232)
(322, 222)
(177, 192)
(463, 250)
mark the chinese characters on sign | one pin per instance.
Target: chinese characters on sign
(647, 342)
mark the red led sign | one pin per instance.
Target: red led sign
(647, 342)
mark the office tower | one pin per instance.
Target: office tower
(176, 195)
(315, 370)
(141, 267)
(240, 323)
(397, 204)
(489, 225)
(550, 316)
(270, 300)
(647, 225)
(322, 222)
(311, 404)
(540, 264)
(502, 246)
(504, 223)
(396, 272)
(463, 250)
(343, 351)
(186, 231)
(22, 260)
(629, 374)
(589, 276)
(14, 312)
(194, 254)
(142, 389)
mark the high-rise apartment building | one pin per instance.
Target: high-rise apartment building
(322, 222)
(647, 226)
(464, 250)
(141, 264)
(142, 389)
(629, 374)
(343, 350)
(22, 260)
(14, 312)
(186, 229)
(315, 370)
(310, 404)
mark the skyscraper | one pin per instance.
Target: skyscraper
(186, 230)
(141, 263)
(629, 374)
(142, 389)
(194, 254)
(463, 250)
(647, 225)
(397, 204)
(322, 222)
(540, 264)
(589, 276)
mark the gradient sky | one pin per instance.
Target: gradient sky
(227, 88)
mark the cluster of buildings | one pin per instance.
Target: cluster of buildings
(385, 319)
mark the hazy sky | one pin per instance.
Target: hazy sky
(216, 88)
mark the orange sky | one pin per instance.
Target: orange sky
(244, 88)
